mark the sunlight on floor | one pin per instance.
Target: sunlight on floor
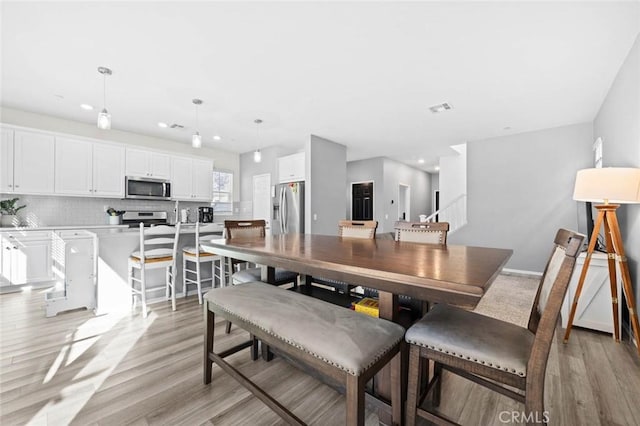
(73, 397)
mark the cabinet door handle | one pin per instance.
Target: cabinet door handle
(17, 186)
(10, 186)
(15, 248)
(7, 248)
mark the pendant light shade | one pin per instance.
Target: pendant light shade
(196, 139)
(257, 155)
(104, 118)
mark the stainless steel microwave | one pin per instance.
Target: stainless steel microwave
(147, 188)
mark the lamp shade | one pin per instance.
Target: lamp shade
(610, 185)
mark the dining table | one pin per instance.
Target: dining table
(452, 274)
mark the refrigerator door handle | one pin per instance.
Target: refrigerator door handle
(285, 213)
(281, 211)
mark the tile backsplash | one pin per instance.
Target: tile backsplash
(71, 211)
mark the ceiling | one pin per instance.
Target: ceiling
(361, 74)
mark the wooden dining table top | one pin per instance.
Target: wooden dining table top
(438, 273)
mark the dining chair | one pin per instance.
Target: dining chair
(364, 229)
(422, 232)
(236, 229)
(194, 257)
(499, 355)
(157, 249)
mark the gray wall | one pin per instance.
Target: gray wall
(420, 183)
(520, 191)
(326, 171)
(618, 123)
(386, 175)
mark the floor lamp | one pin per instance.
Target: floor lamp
(611, 187)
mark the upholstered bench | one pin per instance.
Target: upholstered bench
(347, 346)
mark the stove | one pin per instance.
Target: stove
(148, 218)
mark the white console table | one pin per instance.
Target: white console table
(594, 306)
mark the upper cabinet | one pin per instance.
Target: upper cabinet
(89, 168)
(33, 163)
(291, 168)
(191, 179)
(143, 163)
(6, 160)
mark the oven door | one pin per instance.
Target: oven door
(147, 188)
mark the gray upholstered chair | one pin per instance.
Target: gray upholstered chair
(253, 229)
(365, 229)
(494, 353)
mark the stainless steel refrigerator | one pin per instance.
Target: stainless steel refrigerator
(288, 209)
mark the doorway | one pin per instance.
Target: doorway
(404, 202)
(362, 201)
(436, 203)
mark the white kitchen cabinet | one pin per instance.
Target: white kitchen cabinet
(143, 163)
(202, 180)
(291, 168)
(6, 160)
(73, 167)
(26, 257)
(191, 179)
(88, 168)
(594, 309)
(33, 163)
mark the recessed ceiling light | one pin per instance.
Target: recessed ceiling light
(86, 107)
(421, 161)
(507, 128)
(216, 138)
(437, 168)
(162, 124)
(440, 107)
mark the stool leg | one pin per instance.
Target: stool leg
(413, 388)
(396, 389)
(198, 281)
(355, 400)
(171, 282)
(143, 292)
(130, 281)
(227, 327)
(437, 390)
(184, 275)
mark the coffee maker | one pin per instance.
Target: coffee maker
(205, 214)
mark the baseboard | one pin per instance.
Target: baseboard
(521, 273)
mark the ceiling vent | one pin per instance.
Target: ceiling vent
(177, 126)
(440, 108)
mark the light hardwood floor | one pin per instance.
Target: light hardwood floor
(81, 369)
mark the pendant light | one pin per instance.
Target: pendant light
(104, 118)
(196, 139)
(257, 155)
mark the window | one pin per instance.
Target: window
(222, 191)
(597, 153)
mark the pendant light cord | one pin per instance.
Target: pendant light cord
(104, 91)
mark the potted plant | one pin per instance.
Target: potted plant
(115, 216)
(9, 210)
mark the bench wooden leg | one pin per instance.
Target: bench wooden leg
(396, 389)
(209, 321)
(227, 327)
(267, 355)
(413, 388)
(355, 400)
(254, 347)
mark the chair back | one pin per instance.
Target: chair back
(202, 230)
(365, 229)
(244, 228)
(422, 232)
(159, 241)
(546, 308)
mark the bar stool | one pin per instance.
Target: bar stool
(196, 256)
(156, 251)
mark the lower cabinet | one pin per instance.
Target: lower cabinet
(595, 310)
(26, 257)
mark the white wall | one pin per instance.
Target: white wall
(221, 159)
(520, 191)
(618, 123)
(419, 181)
(453, 175)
